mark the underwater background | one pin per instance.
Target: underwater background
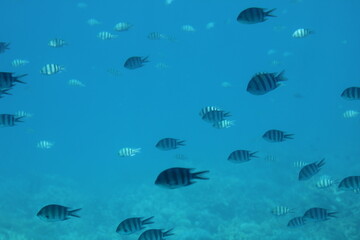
(189, 69)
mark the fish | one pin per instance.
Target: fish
(207, 109)
(7, 80)
(351, 93)
(55, 213)
(57, 43)
(254, 15)
(310, 170)
(319, 214)
(188, 28)
(215, 116)
(240, 156)
(350, 114)
(133, 225)
(51, 69)
(155, 234)
(210, 25)
(122, 26)
(76, 83)
(296, 222)
(93, 22)
(325, 182)
(106, 35)
(274, 135)
(4, 46)
(224, 124)
(128, 152)
(177, 177)
(135, 62)
(9, 120)
(166, 144)
(156, 36)
(350, 183)
(302, 32)
(44, 144)
(281, 210)
(262, 83)
(180, 156)
(271, 158)
(23, 114)
(300, 164)
(19, 62)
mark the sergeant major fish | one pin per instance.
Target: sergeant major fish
(319, 214)
(263, 83)
(310, 170)
(128, 152)
(57, 43)
(351, 93)
(155, 234)
(55, 213)
(274, 135)
(9, 120)
(169, 144)
(132, 225)
(135, 62)
(178, 177)
(281, 210)
(51, 69)
(302, 32)
(240, 156)
(254, 15)
(296, 222)
(350, 183)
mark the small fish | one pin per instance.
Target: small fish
(156, 36)
(263, 83)
(9, 120)
(188, 28)
(133, 225)
(296, 222)
(128, 152)
(19, 62)
(350, 183)
(57, 43)
(122, 26)
(207, 109)
(180, 156)
(55, 213)
(270, 158)
(166, 144)
(51, 69)
(115, 72)
(224, 124)
(44, 144)
(274, 135)
(178, 177)
(351, 93)
(4, 46)
(155, 234)
(161, 66)
(240, 156)
(215, 116)
(318, 214)
(350, 114)
(135, 62)
(325, 182)
(76, 83)
(300, 164)
(106, 35)
(310, 170)
(302, 32)
(281, 210)
(93, 22)
(254, 15)
(23, 114)
(7, 80)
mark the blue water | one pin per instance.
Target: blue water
(136, 108)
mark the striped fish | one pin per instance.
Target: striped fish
(178, 177)
(23, 114)
(318, 214)
(156, 36)
(302, 32)
(254, 15)
(263, 83)
(350, 183)
(207, 109)
(325, 182)
(155, 234)
(350, 114)
(76, 83)
(215, 116)
(93, 22)
(51, 69)
(274, 135)
(351, 93)
(281, 210)
(44, 144)
(57, 43)
(299, 164)
(4, 46)
(132, 225)
(296, 222)
(169, 144)
(128, 152)
(223, 124)
(122, 26)
(19, 62)
(310, 170)
(135, 62)
(55, 213)
(106, 35)
(9, 120)
(7, 80)
(188, 28)
(240, 156)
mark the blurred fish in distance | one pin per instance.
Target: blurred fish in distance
(122, 26)
(281, 210)
(350, 114)
(93, 22)
(188, 28)
(210, 25)
(57, 43)
(4, 46)
(104, 35)
(23, 114)
(76, 83)
(19, 62)
(44, 144)
(224, 124)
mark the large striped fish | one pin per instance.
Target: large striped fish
(254, 15)
(55, 213)
(350, 183)
(166, 144)
(319, 214)
(263, 83)
(7, 80)
(240, 156)
(296, 222)
(155, 234)
(215, 116)
(310, 170)
(178, 177)
(274, 135)
(351, 93)
(132, 225)
(135, 62)
(9, 120)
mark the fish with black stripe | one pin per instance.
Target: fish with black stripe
(51, 69)
(325, 182)
(350, 183)
(310, 170)
(57, 43)
(240, 156)
(319, 214)
(7, 80)
(166, 144)
(281, 210)
(262, 83)
(135, 62)
(207, 109)
(132, 225)
(4, 46)
(215, 116)
(155, 234)
(55, 213)
(351, 93)
(296, 222)
(178, 177)
(254, 15)
(274, 135)
(9, 120)
(302, 32)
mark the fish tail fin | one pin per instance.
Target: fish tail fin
(332, 214)
(168, 233)
(227, 114)
(289, 136)
(17, 78)
(19, 119)
(145, 59)
(197, 175)
(268, 13)
(181, 143)
(73, 213)
(252, 154)
(321, 163)
(148, 220)
(280, 77)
